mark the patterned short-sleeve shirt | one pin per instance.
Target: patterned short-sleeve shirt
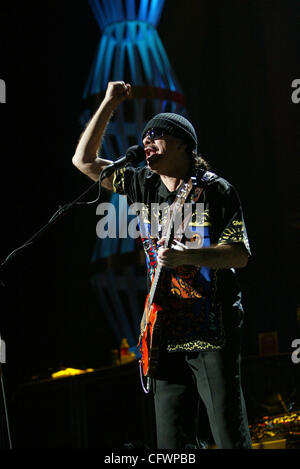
(199, 302)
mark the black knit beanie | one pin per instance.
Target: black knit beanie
(175, 125)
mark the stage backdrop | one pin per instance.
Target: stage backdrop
(235, 63)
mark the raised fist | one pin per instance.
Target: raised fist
(117, 92)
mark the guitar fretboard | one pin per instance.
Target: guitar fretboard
(181, 197)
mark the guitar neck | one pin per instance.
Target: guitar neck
(154, 284)
(168, 242)
(168, 235)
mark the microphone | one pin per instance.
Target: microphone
(134, 154)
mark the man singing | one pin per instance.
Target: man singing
(200, 357)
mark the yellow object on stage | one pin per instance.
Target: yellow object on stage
(70, 372)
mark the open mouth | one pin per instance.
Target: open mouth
(151, 154)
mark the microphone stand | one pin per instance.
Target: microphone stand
(59, 214)
(6, 421)
(134, 154)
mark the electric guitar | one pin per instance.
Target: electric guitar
(152, 323)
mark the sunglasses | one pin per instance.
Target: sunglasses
(154, 134)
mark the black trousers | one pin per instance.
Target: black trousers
(214, 377)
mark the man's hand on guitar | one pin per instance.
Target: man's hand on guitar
(174, 256)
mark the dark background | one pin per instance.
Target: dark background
(235, 61)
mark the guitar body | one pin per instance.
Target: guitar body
(151, 338)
